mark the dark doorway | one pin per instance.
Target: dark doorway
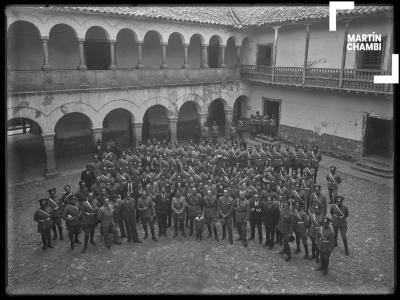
(216, 113)
(240, 109)
(379, 137)
(188, 126)
(155, 124)
(264, 55)
(117, 127)
(272, 107)
(97, 55)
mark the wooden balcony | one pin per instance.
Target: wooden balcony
(323, 78)
(60, 80)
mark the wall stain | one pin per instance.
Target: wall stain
(47, 100)
(64, 109)
(37, 114)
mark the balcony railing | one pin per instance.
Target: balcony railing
(31, 81)
(352, 80)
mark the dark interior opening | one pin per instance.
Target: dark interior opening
(379, 137)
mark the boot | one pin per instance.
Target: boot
(288, 257)
(145, 236)
(215, 234)
(61, 235)
(317, 258)
(306, 251)
(55, 235)
(245, 242)
(72, 244)
(77, 241)
(85, 242)
(297, 251)
(44, 247)
(346, 249)
(49, 246)
(175, 234)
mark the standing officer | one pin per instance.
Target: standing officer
(232, 133)
(225, 209)
(265, 122)
(325, 243)
(339, 214)
(178, 207)
(88, 176)
(308, 185)
(300, 228)
(286, 158)
(273, 127)
(43, 217)
(128, 209)
(89, 220)
(242, 208)
(315, 158)
(105, 216)
(270, 214)
(161, 208)
(317, 198)
(286, 227)
(147, 214)
(303, 155)
(210, 204)
(256, 218)
(72, 216)
(56, 215)
(215, 132)
(333, 184)
(315, 220)
(194, 201)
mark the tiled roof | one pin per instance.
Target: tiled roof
(234, 16)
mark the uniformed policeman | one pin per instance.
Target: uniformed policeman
(309, 188)
(57, 210)
(325, 243)
(256, 218)
(215, 132)
(300, 227)
(318, 199)
(333, 180)
(43, 217)
(147, 214)
(72, 216)
(270, 213)
(242, 208)
(339, 214)
(286, 228)
(225, 209)
(89, 220)
(194, 201)
(315, 158)
(210, 204)
(315, 220)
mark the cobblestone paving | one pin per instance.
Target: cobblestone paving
(183, 265)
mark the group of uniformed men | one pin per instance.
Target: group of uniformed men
(193, 186)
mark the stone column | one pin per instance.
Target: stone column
(223, 65)
(46, 65)
(185, 57)
(172, 124)
(112, 53)
(139, 49)
(204, 57)
(97, 134)
(306, 52)
(51, 168)
(228, 120)
(82, 66)
(164, 56)
(346, 31)
(137, 128)
(274, 51)
(238, 48)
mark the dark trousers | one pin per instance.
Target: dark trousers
(286, 247)
(303, 238)
(242, 230)
(89, 231)
(314, 249)
(191, 223)
(111, 228)
(179, 223)
(186, 217)
(227, 224)
(343, 231)
(269, 235)
(145, 221)
(198, 229)
(46, 237)
(57, 225)
(169, 217)
(162, 223)
(73, 232)
(233, 139)
(121, 226)
(315, 174)
(324, 258)
(332, 194)
(130, 224)
(255, 220)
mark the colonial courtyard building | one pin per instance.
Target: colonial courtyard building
(79, 74)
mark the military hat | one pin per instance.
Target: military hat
(317, 206)
(339, 198)
(298, 202)
(326, 220)
(315, 147)
(52, 190)
(297, 146)
(333, 167)
(297, 184)
(294, 171)
(199, 211)
(256, 195)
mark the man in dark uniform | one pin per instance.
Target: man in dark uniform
(270, 214)
(72, 216)
(300, 227)
(161, 208)
(265, 125)
(88, 176)
(286, 227)
(194, 201)
(215, 132)
(315, 158)
(256, 218)
(258, 120)
(56, 215)
(210, 204)
(43, 217)
(147, 214)
(303, 155)
(325, 243)
(225, 209)
(242, 208)
(317, 198)
(178, 206)
(315, 220)
(339, 214)
(286, 158)
(333, 184)
(128, 209)
(233, 134)
(89, 220)
(309, 188)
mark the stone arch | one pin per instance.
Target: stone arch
(230, 52)
(195, 50)
(151, 49)
(120, 103)
(201, 103)
(233, 38)
(29, 19)
(216, 112)
(106, 29)
(117, 127)
(188, 125)
(240, 108)
(171, 106)
(175, 51)
(24, 46)
(214, 51)
(63, 47)
(70, 25)
(156, 123)
(31, 114)
(126, 53)
(97, 48)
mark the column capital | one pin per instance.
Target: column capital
(44, 38)
(139, 42)
(112, 41)
(48, 136)
(173, 119)
(186, 45)
(97, 130)
(137, 125)
(276, 27)
(223, 46)
(228, 111)
(81, 40)
(204, 46)
(164, 44)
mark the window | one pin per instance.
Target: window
(264, 55)
(369, 59)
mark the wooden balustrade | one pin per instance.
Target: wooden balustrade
(353, 80)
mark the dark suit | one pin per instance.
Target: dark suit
(127, 188)
(128, 211)
(162, 209)
(270, 218)
(255, 218)
(89, 177)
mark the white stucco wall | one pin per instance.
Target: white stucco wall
(324, 112)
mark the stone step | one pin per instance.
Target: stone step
(375, 166)
(377, 172)
(378, 161)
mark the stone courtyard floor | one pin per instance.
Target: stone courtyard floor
(183, 265)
